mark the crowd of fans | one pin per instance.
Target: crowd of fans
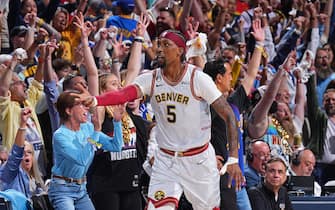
(272, 59)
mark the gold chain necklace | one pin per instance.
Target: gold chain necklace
(287, 149)
(281, 131)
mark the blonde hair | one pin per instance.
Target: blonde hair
(35, 171)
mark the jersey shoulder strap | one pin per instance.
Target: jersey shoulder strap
(195, 68)
(153, 81)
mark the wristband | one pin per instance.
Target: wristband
(139, 39)
(94, 102)
(40, 60)
(230, 161)
(260, 43)
(260, 47)
(22, 129)
(115, 60)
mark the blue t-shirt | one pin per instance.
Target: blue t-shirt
(125, 26)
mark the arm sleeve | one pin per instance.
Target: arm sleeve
(52, 93)
(122, 96)
(112, 144)
(205, 88)
(11, 168)
(144, 82)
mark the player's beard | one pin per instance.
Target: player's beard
(160, 62)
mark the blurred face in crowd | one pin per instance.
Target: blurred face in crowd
(283, 112)
(78, 81)
(60, 21)
(64, 72)
(283, 95)
(229, 55)
(28, 155)
(261, 154)
(328, 48)
(307, 163)
(322, 63)
(3, 157)
(18, 41)
(275, 175)
(110, 82)
(223, 81)
(231, 6)
(329, 102)
(134, 104)
(18, 89)
(28, 6)
(78, 112)
(165, 17)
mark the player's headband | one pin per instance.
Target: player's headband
(175, 37)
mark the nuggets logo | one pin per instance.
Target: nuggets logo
(159, 195)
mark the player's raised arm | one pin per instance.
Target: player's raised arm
(222, 107)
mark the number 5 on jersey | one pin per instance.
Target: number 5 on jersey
(171, 113)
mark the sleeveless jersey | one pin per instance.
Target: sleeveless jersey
(182, 115)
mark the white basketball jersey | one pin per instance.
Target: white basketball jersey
(183, 119)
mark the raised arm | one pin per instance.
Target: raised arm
(92, 70)
(255, 61)
(258, 120)
(50, 79)
(11, 168)
(134, 63)
(299, 109)
(6, 76)
(187, 5)
(214, 35)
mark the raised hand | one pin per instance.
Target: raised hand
(142, 25)
(118, 111)
(50, 47)
(25, 115)
(104, 34)
(84, 96)
(41, 35)
(192, 29)
(290, 61)
(258, 31)
(119, 49)
(30, 19)
(222, 3)
(85, 27)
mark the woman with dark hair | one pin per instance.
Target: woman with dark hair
(74, 144)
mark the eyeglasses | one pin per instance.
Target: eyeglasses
(18, 82)
(322, 57)
(262, 156)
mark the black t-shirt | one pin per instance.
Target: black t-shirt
(120, 172)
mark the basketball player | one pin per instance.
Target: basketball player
(180, 97)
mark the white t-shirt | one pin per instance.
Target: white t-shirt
(329, 145)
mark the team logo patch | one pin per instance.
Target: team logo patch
(159, 195)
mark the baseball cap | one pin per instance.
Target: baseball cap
(126, 5)
(18, 31)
